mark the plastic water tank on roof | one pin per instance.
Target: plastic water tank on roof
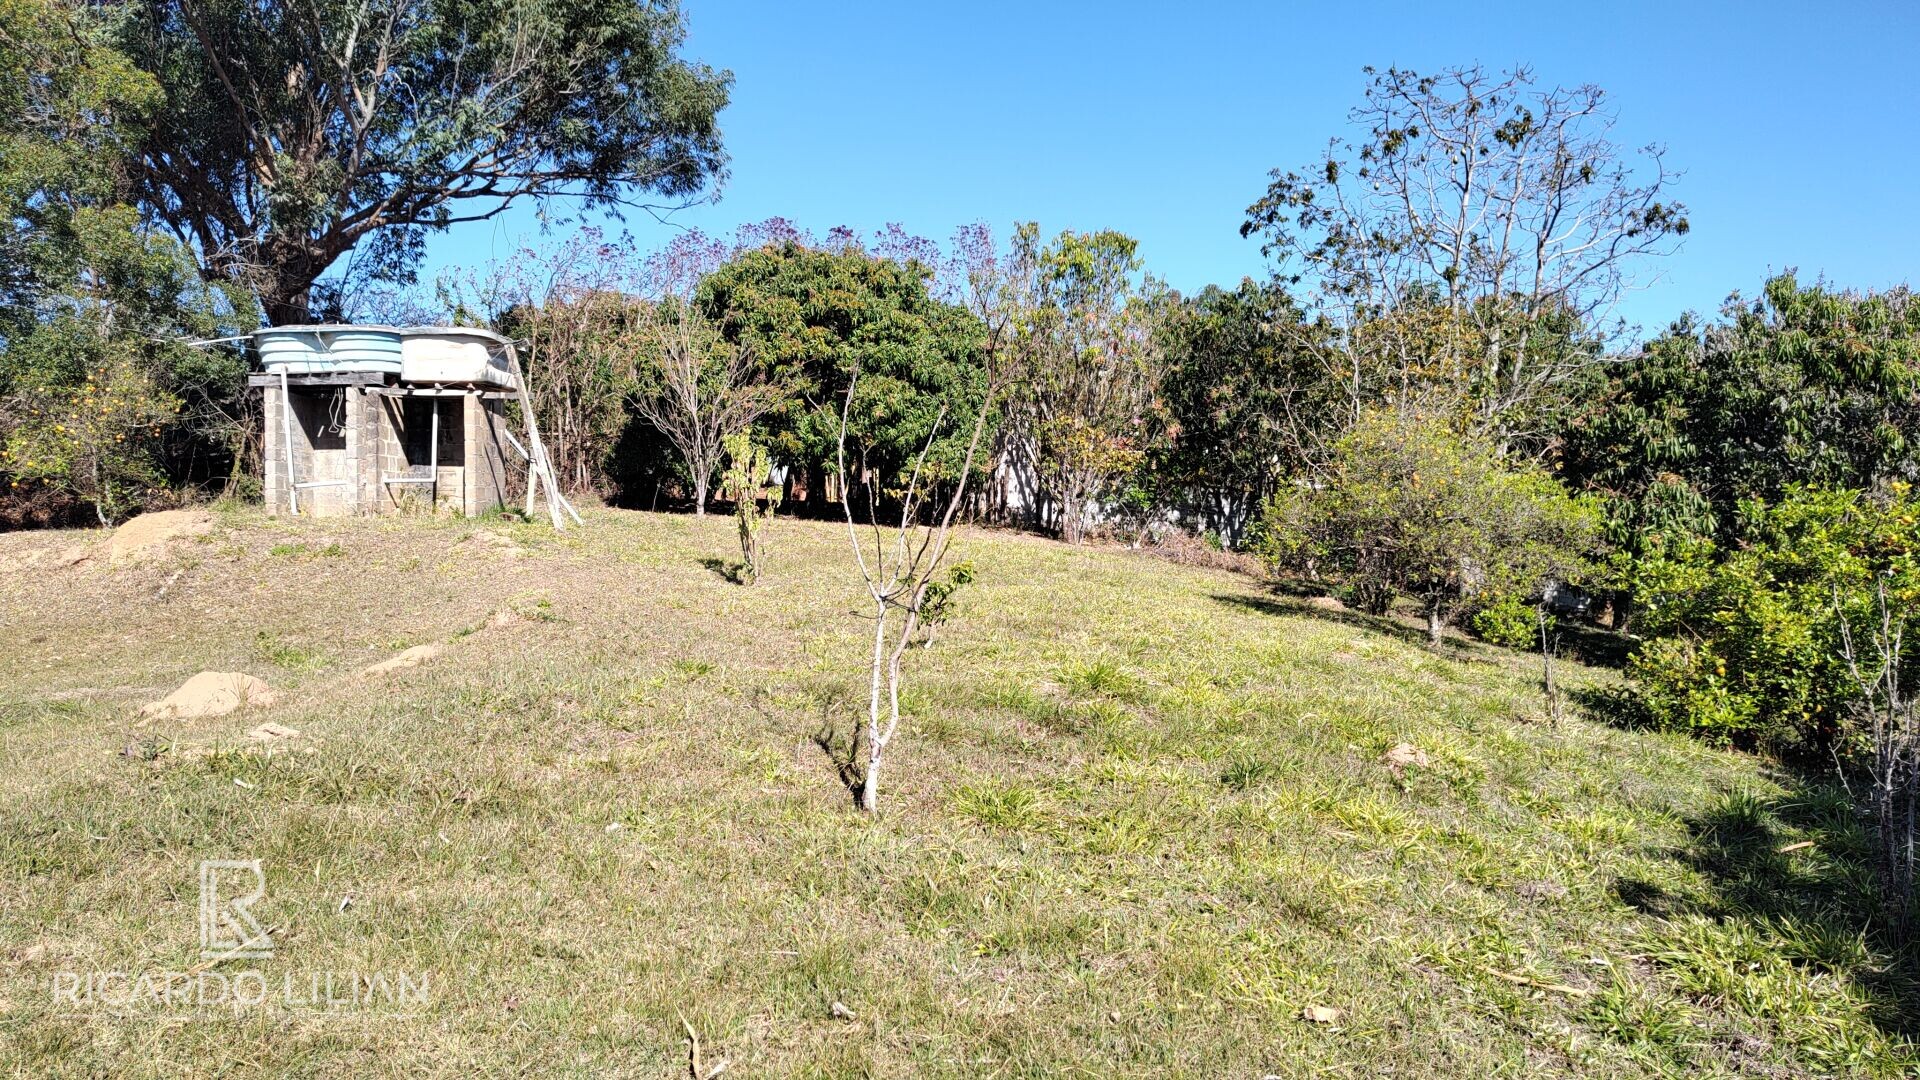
(319, 350)
(454, 354)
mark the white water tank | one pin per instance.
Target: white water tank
(454, 354)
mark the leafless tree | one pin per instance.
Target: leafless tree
(1476, 242)
(608, 331)
(574, 306)
(698, 388)
(896, 564)
(1889, 717)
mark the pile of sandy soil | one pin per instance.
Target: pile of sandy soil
(413, 657)
(149, 533)
(210, 693)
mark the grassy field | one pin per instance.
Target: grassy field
(1139, 824)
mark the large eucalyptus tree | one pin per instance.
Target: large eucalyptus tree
(293, 133)
(1471, 244)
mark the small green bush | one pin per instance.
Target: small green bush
(1509, 621)
(746, 484)
(936, 606)
(1412, 507)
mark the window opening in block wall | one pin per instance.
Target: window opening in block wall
(416, 420)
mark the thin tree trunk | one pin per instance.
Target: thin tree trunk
(870, 779)
(1622, 610)
(1072, 511)
(1435, 626)
(1547, 684)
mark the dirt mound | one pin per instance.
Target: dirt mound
(210, 693)
(45, 558)
(1403, 757)
(147, 533)
(413, 657)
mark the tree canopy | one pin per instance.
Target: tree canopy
(293, 134)
(95, 375)
(1804, 384)
(1470, 247)
(815, 316)
(1246, 399)
(1085, 407)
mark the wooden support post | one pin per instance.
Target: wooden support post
(539, 464)
(433, 459)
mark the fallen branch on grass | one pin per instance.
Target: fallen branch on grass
(695, 1067)
(1538, 984)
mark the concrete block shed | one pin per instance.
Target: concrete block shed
(379, 420)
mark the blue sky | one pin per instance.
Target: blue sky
(1797, 125)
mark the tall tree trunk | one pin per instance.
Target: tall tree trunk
(287, 305)
(700, 496)
(816, 492)
(1073, 511)
(1435, 626)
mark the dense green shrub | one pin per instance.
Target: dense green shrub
(1745, 644)
(1805, 384)
(745, 482)
(1411, 507)
(101, 399)
(93, 438)
(1508, 620)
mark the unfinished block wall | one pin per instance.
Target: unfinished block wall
(486, 456)
(358, 440)
(328, 432)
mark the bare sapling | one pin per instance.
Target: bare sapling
(897, 564)
(1549, 646)
(1888, 716)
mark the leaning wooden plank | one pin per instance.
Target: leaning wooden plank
(541, 464)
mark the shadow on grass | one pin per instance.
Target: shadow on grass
(733, 572)
(1592, 645)
(1798, 869)
(829, 700)
(1577, 640)
(1304, 605)
(1614, 706)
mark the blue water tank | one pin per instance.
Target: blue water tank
(315, 350)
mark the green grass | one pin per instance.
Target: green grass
(294, 658)
(1136, 823)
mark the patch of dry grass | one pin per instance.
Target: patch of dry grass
(1137, 825)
